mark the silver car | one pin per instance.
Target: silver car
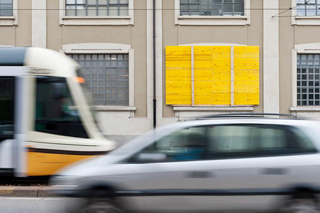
(251, 164)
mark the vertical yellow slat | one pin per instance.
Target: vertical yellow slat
(178, 75)
(246, 75)
(212, 75)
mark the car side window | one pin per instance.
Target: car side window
(302, 143)
(231, 141)
(238, 141)
(183, 145)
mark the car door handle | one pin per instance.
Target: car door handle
(199, 174)
(274, 171)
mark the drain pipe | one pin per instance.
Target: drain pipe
(154, 67)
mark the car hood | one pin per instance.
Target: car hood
(87, 167)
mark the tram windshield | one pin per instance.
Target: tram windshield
(88, 95)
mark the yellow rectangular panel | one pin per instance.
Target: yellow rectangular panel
(178, 75)
(246, 75)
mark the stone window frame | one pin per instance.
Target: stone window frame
(95, 20)
(212, 20)
(108, 48)
(310, 48)
(302, 20)
(11, 20)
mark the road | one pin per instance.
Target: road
(30, 205)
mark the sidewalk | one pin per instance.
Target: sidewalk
(27, 191)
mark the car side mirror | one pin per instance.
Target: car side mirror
(147, 157)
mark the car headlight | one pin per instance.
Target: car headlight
(64, 181)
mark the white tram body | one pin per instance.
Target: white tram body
(46, 121)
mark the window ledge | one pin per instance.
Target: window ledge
(213, 17)
(213, 20)
(305, 109)
(96, 20)
(8, 20)
(115, 108)
(213, 109)
(306, 20)
(307, 17)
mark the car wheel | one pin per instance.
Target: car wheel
(97, 205)
(301, 205)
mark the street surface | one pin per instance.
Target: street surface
(30, 205)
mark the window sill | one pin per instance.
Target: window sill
(96, 20)
(213, 20)
(115, 108)
(8, 20)
(188, 112)
(306, 20)
(213, 109)
(305, 109)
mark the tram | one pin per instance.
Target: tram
(46, 121)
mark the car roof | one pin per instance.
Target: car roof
(246, 120)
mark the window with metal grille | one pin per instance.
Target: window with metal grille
(308, 78)
(308, 8)
(97, 7)
(107, 76)
(6, 8)
(212, 7)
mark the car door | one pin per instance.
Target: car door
(252, 163)
(166, 184)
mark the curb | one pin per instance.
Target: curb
(27, 191)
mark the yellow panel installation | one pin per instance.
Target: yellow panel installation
(212, 75)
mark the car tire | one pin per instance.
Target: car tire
(301, 204)
(102, 205)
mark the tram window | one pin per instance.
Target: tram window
(55, 109)
(7, 91)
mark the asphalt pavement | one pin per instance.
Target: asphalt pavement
(30, 205)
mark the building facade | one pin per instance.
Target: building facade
(113, 41)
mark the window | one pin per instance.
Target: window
(212, 7)
(235, 141)
(308, 74)
(7, 95)
(308, 8)
(107, 76)
(183, 145)
(55, 110)
(6, 7)
(97, 7)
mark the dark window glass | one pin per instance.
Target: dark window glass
(107, 77)
(308, 82)
(55, 109)
(211, 7)
(6, 8)
(237, 141)
(7, 96)
(183, 145)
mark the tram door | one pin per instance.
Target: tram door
(7, 123)
(12, 111)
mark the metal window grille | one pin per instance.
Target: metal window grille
(308, 78)
(212, 7)
(107, 76)
(308, 7)
(6, 8)
(97, 7)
